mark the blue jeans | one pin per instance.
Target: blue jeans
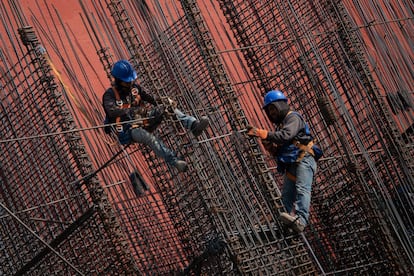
(186, 120)
(299, 191)
(140, 135)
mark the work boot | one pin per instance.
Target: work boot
(181, 165)
(198, 126)
(292, 222)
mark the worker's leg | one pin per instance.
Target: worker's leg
(289, 190)
(191, 123)
(186, 120)
(142, 136)
(305, 172)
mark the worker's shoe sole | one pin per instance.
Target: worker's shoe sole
(181, 165)
(292, 222)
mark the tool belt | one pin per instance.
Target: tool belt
(303, 149)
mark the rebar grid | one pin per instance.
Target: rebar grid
(55, 224)
(323, 67)
(221, 216)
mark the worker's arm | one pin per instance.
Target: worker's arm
(291, 127)
(145, 96)
(111, 108)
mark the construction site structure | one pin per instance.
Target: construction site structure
(74, 201)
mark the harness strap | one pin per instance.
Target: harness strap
(121, 104)
(304, 149)
(291, 176)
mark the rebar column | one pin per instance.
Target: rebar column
(256, 162)
(100, 200)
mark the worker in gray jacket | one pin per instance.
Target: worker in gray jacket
(292, 146)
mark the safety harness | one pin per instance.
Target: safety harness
(295, 151)
(310, 148)
(304, 149)
(137, 99)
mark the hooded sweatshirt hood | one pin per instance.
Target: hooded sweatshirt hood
(277, 111)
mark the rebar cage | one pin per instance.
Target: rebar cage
(75, 201)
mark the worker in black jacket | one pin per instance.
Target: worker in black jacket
(292, 146)
(126, 106)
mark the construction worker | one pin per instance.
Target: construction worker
(126, 101)
(292, 146)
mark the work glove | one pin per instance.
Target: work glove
(171, 105)
(254, 131)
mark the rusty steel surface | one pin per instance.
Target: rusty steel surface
(68, 204)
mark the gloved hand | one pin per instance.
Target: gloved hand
(254, 131)
(171, 105)
(135, 112)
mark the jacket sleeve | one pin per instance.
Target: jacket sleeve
(146, 96)
(292, 125)
(112, 110)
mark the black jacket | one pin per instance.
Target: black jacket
(112, 110)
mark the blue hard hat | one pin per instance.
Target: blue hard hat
(124, 71)
(274, 96)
